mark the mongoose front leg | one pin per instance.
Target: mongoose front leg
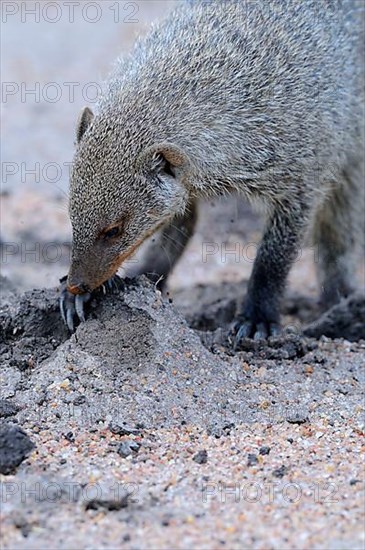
(72, 306)
(260, 316)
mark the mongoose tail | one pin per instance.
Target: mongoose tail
(261, 98)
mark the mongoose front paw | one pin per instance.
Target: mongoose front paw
(72, 306)
(257, 330)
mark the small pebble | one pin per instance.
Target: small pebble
(297, 417)
(354, 481)
(264, 450)
(280, 472)
(201, 457)
(252, 460)
(79, 400)
(126, 448)
(118, 429)
(70, 437)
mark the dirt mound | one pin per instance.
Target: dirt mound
(212, 309)
(137, 361)
(345, 320)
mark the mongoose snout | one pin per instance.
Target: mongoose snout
(77, 288)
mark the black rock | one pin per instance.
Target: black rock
(107, 504)
(264, 450)
(252, 460)
(117, 429)
(79, 400)
(15, 446)
(354, 481)
(128, 447)
(297, 417)
(70, 437)
(280, 472)
(201, 457)
(7, 408)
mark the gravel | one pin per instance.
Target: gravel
(201, 457)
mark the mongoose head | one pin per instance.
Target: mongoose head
(120, 194)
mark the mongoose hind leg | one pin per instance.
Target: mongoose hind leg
(260, 315)
(166, 249)
(338, 228)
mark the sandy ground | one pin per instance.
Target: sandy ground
(140, 432)
(143, 429)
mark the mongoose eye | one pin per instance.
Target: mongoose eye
(113, 232)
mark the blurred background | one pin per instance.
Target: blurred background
(54, 55)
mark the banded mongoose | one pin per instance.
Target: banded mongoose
(264, 98)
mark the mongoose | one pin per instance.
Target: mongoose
(256, 97)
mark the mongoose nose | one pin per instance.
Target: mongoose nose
(79, 288)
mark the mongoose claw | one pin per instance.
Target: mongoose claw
(114, 284)
(255, 331)
(72, 306)
(79, 305)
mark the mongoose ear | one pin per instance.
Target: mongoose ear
(163, 158)
(85, 119)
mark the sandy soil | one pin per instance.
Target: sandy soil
(141, 432)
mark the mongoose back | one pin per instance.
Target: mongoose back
(260, 98)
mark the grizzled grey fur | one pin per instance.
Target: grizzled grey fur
(264, 98)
